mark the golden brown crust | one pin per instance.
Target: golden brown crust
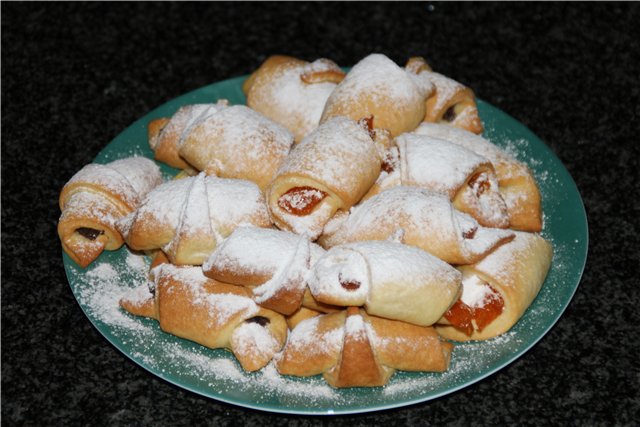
(377, 87)
(273, 263)
(95, 198)
(186, 218)
(291, 91)
(439, 165)
(388, 279)
(299, 315)
(237, 142)
(307, 356)
(165, 144)
(340, 159)
(517, 271)
(357, 366)
(420, 218)
(409, 347)
(213, 314)
(167, 134)
(451, 102)
(353, 349)
(517, 184)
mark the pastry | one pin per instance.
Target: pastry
(387, 279)
(95, 198)
(330, 170)
(299, 315)
(416, 217)
(166, 134)
(451, 102)
(467, 178)
(272, 263)
(353, 349)
(237, 142)
(292, 92)
(188, 217)
(213, 314)
(516, 182)
(498, 289)
(377, 87)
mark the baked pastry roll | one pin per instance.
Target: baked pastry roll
(498, 289)
(95, 198)
(451, 102)
(292, 92)
(272, 263)
(353, 349)
(467, 178)
(377, 87)
(416, 217)
(516, 182)
(239, 143)
(213, 314)
(301, 314)
(188, 217)
(330, 170)
(166, 134)
(387, 279)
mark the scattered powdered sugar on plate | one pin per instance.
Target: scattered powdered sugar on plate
(103, 284)
(467, 360)
(99, 289)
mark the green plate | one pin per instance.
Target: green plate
(216, 374)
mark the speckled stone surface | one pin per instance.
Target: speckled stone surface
(76, 74)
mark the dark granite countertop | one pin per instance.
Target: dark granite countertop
(74, 75)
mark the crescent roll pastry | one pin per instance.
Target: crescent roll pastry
(237, 142)
(388, 279)
(517, 184)
(95, 198)
(273, 263)
(330, 170)
(498, 289)
(377, 87)
(166, 134)
(213, 314)
(467, 178)
(451, 102)
(301, 314)
(416, 217)
(188, 217)
(292, 92)
(353, 349)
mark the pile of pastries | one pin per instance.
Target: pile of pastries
(344, 224)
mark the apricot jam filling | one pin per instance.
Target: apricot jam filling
(301, 201)
(350, 285)
(475, 316)
(479, 183)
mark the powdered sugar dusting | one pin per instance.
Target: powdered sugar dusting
(100, 286)
(341, 144)
(130, 178)
(290, 101)
(445, 88)
(475, 292)
(435, 164)
(252, 337)
(379, 77)
(100, 289)
(354, 327)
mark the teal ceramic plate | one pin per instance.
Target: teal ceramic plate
(216, 374)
